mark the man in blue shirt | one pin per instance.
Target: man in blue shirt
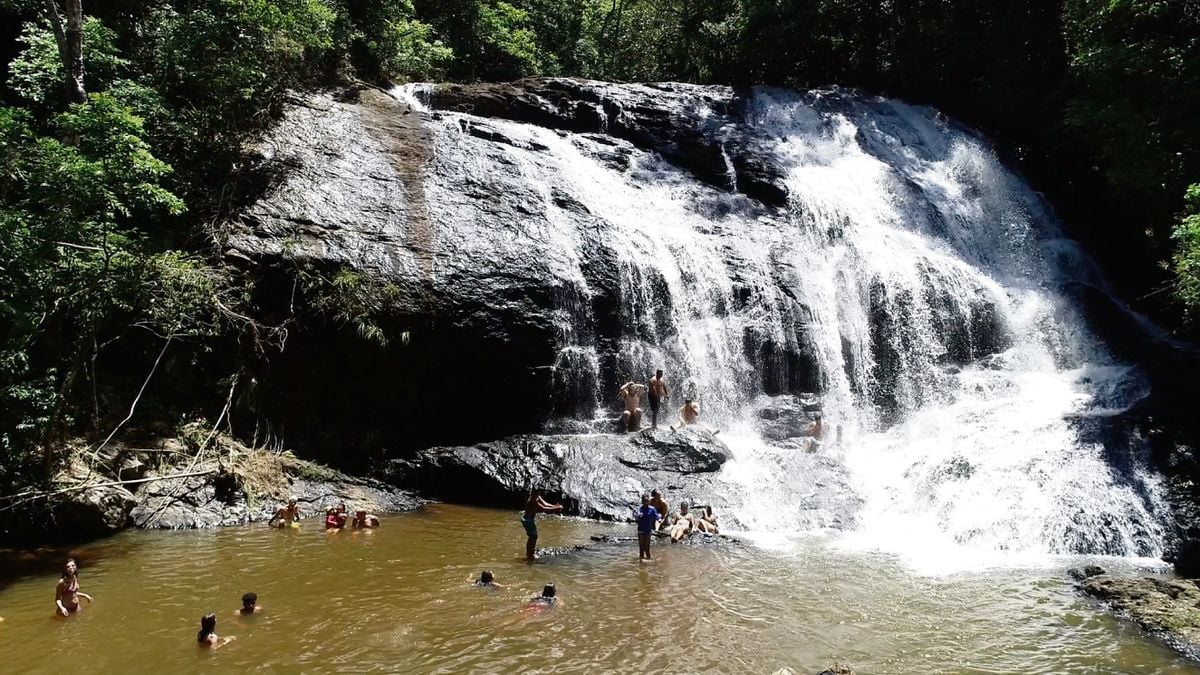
(647, 519)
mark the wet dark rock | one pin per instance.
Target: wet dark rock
(1187, 559)
(779, 418)
(1079, 574)
(1166, 608)
(717, 148)
(604, 475)
(197, 503)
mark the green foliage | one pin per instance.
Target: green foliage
(385, 40)
(1185, 263)
(37, 74)
(350, 298)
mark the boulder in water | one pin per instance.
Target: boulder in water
(1166, 608)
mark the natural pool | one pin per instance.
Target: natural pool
(397, 600)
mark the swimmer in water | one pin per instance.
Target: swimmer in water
(249, 605)
(364, 520)
(287, 516)
(342, 516)
(332, 521)
(548, 598)
(67, 594)
(486, 580)
(207, 637)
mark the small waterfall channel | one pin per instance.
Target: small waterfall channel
(911, 283)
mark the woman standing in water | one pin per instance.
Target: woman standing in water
(207, 637)
(66, 596)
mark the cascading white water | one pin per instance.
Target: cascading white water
(919, 274)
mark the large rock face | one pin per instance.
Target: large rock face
(603, 476)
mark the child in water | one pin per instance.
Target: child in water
(207, 637)
(250, 605)
(547, 599)
(486, 580)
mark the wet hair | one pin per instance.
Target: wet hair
(708, 510)
(208, 626)
(687, 401)
(341, 507)
(64, 571)
(658, 373)
(548, 591)
(249, 599)
(486, 577)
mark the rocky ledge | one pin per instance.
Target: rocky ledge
(603, 475)
(173, 486)
(1168, 608)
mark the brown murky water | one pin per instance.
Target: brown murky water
(396, 600)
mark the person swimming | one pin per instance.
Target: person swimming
(207, 637)
(67, 594)
(363, 520)
(332, 521)
(548, 598)
(250, 605)
(486, 580)
(287, 515)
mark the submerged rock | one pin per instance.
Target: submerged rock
(1167, 608)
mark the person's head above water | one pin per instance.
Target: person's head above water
(341, 507)
(70, 568)
(249, 601)
(486, 577)
(548, 591)
(208, 626)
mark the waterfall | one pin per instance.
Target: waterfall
(911, 282)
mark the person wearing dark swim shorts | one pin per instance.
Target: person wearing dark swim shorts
(533, 506)
(657, 394)
(647, 520)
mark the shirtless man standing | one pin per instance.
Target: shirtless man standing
(657, 501)
(658, 393)
(631, 393)
(533, 506)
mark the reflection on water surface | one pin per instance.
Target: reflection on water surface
(397, 600)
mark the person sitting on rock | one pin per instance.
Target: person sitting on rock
(682, 524)
(689, 415)
(813, 434)
(631, 393)
(707, 522)
(207, 637)
(657, 501)
(364, 520)
(486, 580)
(287, 516)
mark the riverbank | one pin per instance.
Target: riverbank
(1167, 608)
(194, 479)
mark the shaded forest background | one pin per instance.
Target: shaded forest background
(113, 180)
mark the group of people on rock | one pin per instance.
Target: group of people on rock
(656, 392)
(654, 516)
(335, 517)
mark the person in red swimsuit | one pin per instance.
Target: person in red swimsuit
(66, 596)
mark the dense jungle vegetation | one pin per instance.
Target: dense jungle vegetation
(121, 123)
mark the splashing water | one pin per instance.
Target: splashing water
(917, 277)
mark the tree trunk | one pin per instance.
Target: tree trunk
(70, 45)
